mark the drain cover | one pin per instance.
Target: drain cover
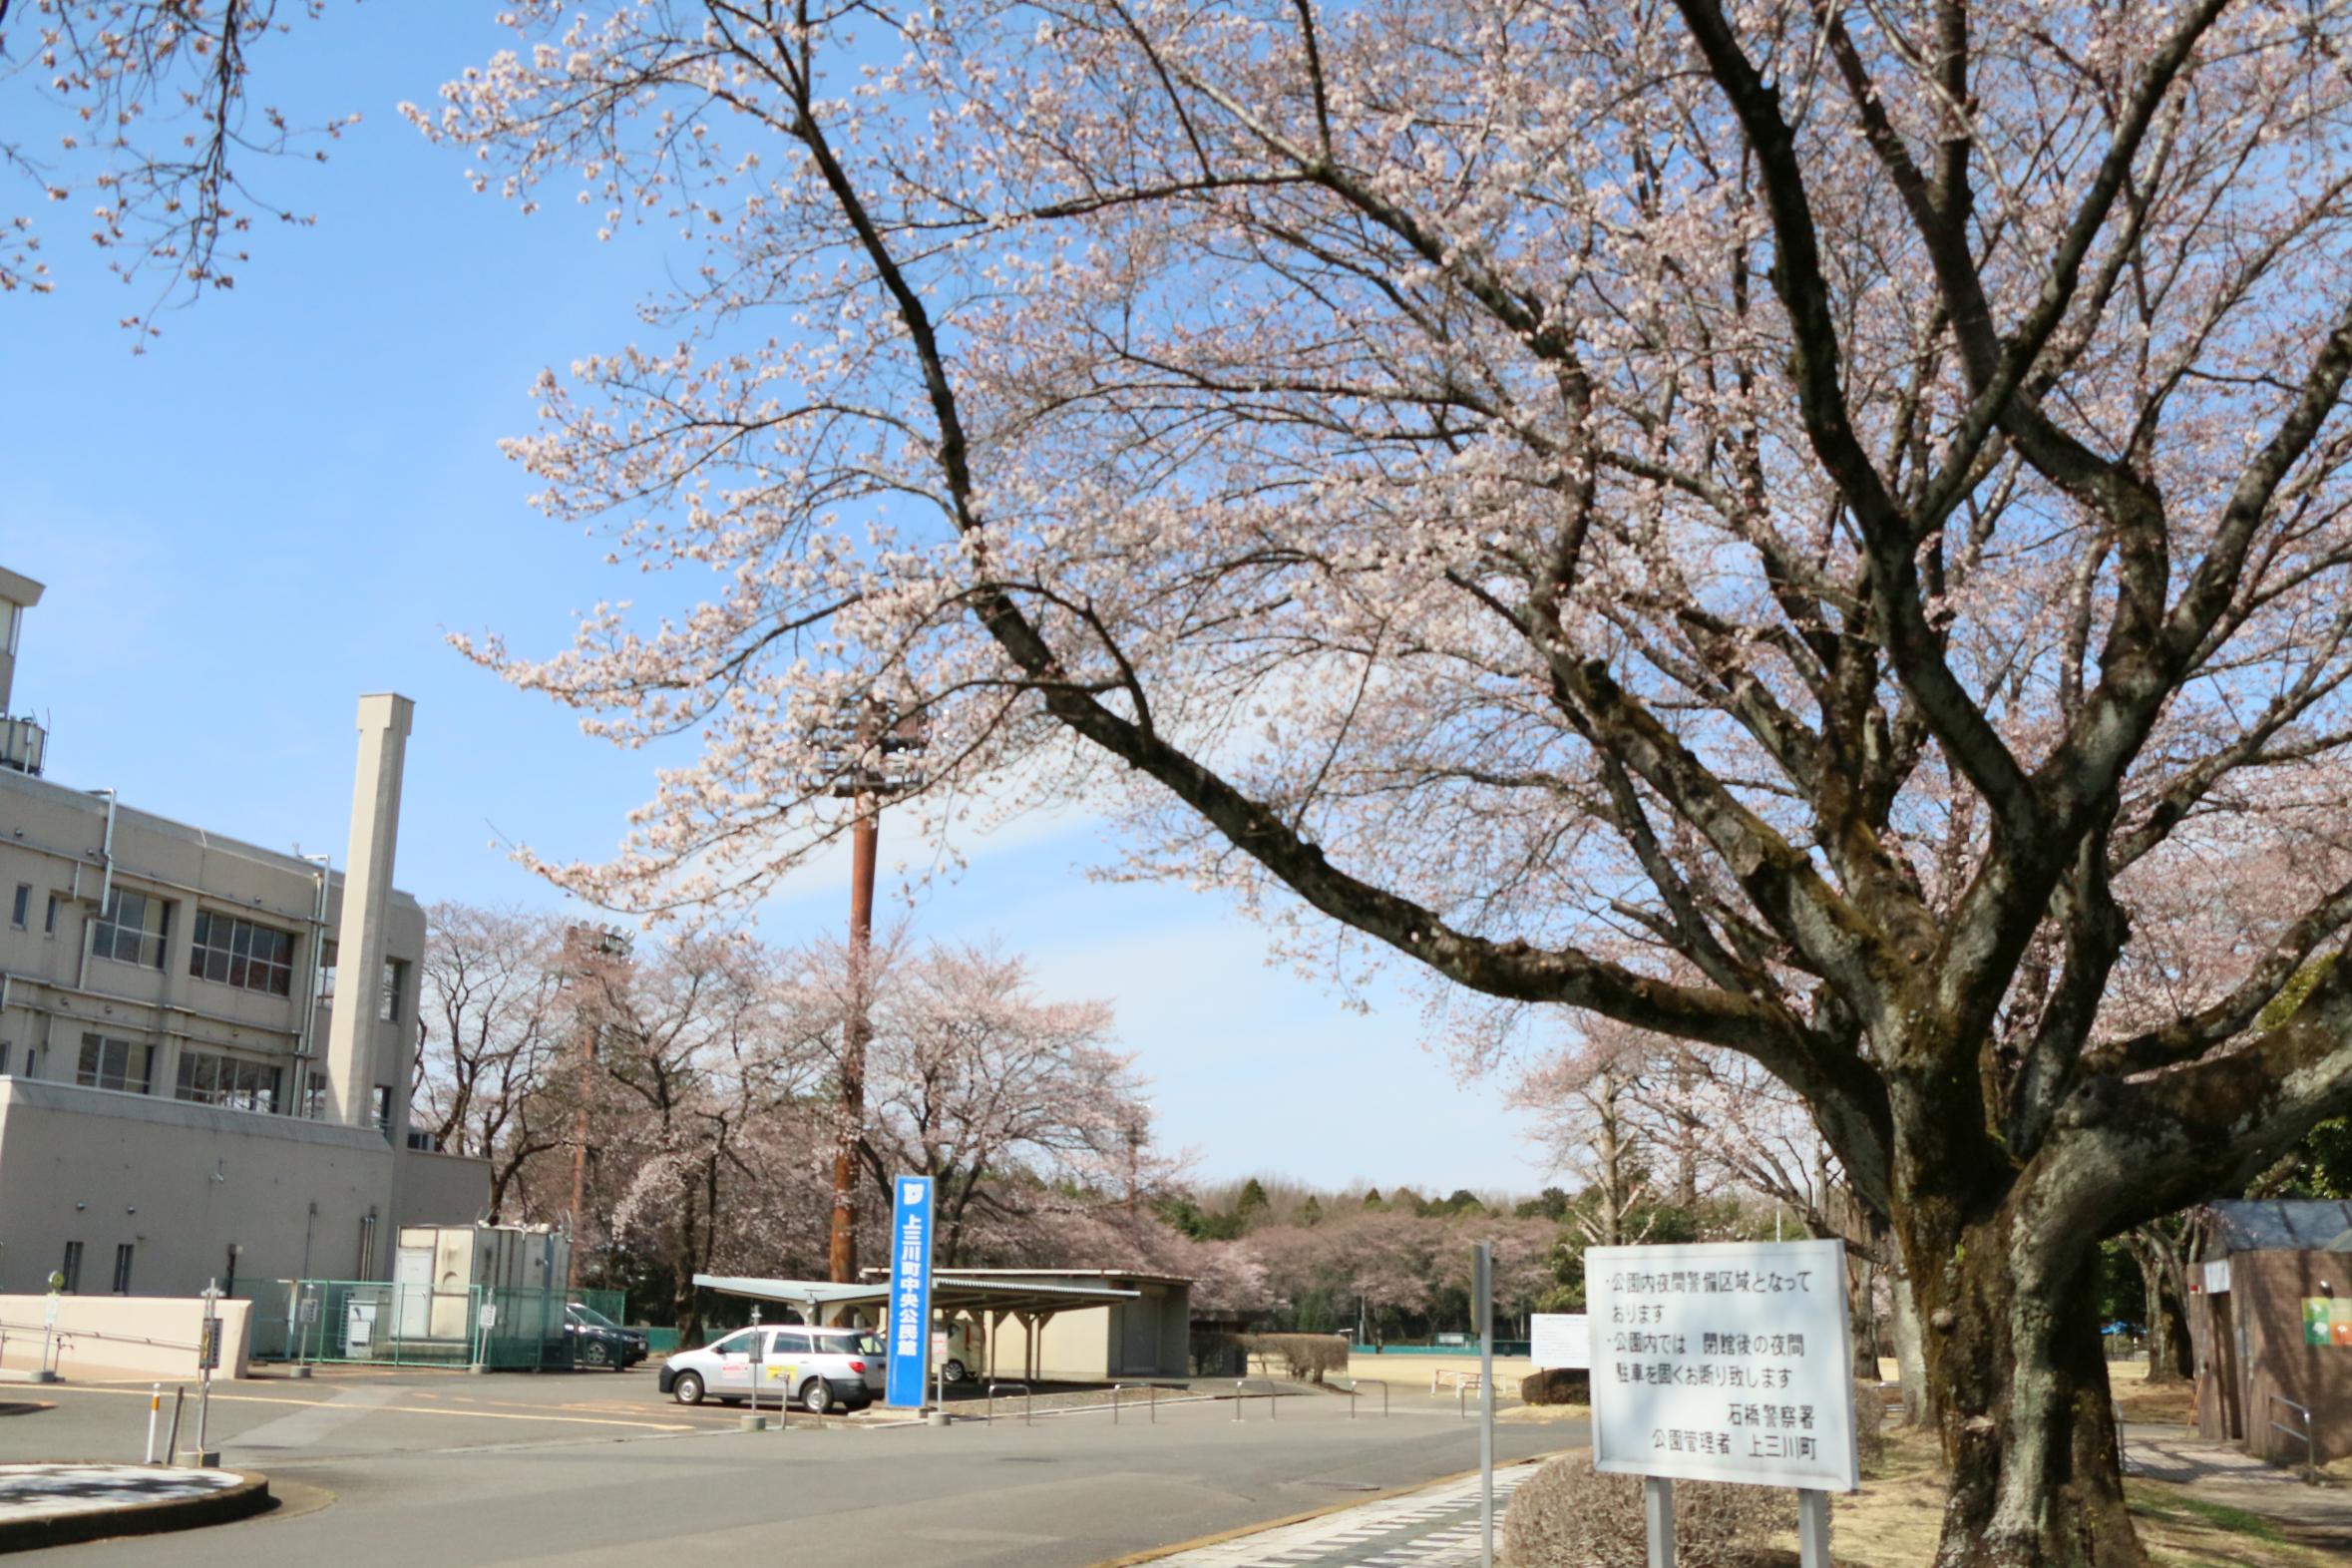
(1345, 1486)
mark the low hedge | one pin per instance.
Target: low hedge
(1306, 1357)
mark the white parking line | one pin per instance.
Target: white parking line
(1434, 1528)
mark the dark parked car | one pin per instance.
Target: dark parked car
(596, 1340)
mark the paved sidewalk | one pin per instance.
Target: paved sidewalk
(1436, 1527)
(2315, 1515)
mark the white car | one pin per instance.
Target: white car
(818, 1369)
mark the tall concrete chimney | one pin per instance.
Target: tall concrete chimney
(352, 1026)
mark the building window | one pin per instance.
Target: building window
(129, 929)
(209, 1078)
(314, 1095)
(70, 1272)
(395, 982)
(379, 1115)
(49, 920)
(113, 1065)
(21, 911)
(122, 1268)
(239, 953)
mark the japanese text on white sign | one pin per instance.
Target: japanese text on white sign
(1723, 1361)
(1560, 1338)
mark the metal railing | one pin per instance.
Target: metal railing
(1241, 1393)
(1356, 1387)
(2302, 1435)
(1151, 1399)
(30, 1329)
(1029, 1403)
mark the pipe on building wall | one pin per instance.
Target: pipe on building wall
(305, 1039)
(106, 888)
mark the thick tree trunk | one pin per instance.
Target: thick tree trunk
(1911, 1349)
(2011, 1302)
(2167, 1314)
(1860, 1273)
(2168, 1334)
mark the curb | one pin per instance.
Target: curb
(247, 1497)
(1238, 1532)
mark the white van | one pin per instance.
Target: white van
(818, 1369)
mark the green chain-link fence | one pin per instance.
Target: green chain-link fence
(379, 1323)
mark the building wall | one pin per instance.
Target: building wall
(180, 1184)
(54, 989)
(1145, 1337)
(2258, 1324)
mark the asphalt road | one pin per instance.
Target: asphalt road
(596, 1468)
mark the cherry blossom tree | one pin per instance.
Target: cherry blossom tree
(495, 1023)
(1849, 501)
(1008, 1101)
(708, 1147)
(146, 110)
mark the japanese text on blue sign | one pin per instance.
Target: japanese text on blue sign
(909, 1289)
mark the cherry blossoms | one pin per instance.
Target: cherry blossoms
(1814, 529)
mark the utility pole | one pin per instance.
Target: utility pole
(588, 953)
(869, 757)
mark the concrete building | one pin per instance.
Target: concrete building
(204, 1044)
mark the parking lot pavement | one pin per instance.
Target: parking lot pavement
(605, 1474)
(357, 1410)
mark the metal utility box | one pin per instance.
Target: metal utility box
(439, 1269)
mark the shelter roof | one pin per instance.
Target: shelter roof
(2282, 1224)
(950, 1289)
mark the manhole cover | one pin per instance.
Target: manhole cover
(1345, 1486)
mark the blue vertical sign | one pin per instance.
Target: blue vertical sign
(909, 1290)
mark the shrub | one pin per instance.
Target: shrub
(1307, 1356)
(1567, 1516)
(1557, 1385)
(1869, 1428)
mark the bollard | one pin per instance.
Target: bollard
(155, 1408)
(178, 1398)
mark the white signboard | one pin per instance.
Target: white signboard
(1560, 1338)
(1723, 1361)
(2217, 1277)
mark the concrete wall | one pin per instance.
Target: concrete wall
(102, 1337)
(2250, 1344)
(181, 1183)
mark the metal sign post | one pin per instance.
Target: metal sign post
(759, 1346)
(910, 1291)
(49, 1325)
(208, 1357)
(1482, 1305)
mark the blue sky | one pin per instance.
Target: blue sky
(296, 494)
